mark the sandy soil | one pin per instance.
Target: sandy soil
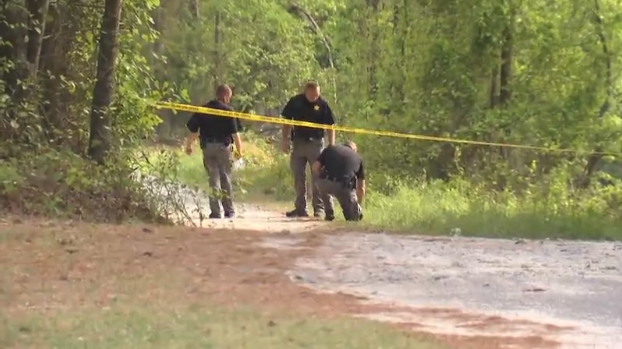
(561, 291)
(488, 293)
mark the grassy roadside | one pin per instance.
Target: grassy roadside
(137, 326)
(457, 208)
(76, 285)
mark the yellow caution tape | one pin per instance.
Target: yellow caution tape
(281, 121)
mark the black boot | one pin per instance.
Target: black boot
(296, 213)
(330, 216)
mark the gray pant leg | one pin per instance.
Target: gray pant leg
(312, 151)
(298, 166)
(326, 190)
(211, 164)
(349, 203)
(225, 167)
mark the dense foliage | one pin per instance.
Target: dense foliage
(527, 72)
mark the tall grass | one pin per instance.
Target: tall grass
(456, 208)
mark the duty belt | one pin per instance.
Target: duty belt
(218, 140)
(306, 139)
(348, 182)
(223, 141)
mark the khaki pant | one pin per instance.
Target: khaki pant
(347, 199)
(304, 153)
(218, 162)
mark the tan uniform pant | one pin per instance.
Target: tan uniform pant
(347, 198)
(305, 153)
(218, 162)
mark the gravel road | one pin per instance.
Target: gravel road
(568, 291)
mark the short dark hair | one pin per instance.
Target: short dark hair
(311, 85)
(350, 144)
(222, 89)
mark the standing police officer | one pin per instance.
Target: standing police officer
(341, 174)
(217, 133)
(307, 144)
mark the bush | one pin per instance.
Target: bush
(60, 183)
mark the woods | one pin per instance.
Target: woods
(80, 77)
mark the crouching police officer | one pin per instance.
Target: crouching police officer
(341, 174)
(217, 133)
(307, 144)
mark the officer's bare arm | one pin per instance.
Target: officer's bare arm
(192, 137)
(238, 142)
(193, 127)
(360, 190)
(330, 120)
(286, 132)
(330, 134)
(316, 168)
(288, 113)
(360, 183)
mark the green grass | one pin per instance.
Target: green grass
(441, 209)
(195, 326)
(549, 210)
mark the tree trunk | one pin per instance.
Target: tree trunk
(595, 158)
(373, 52)
(193, 6)
(159, 24)
(13, 29)
(494, 78)
(400, 32)
(37, 10)
(99, 142)
(317, 30)
(217, 58)
(56, 44)
(505, 90)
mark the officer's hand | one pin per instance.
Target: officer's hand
(285, 146)
(189, 150)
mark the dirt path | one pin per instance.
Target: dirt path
(547, 293)
(469, 293)
(559, 291)
(480, 292)
(253, 217)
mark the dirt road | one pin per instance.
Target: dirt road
(559, 294)
(562, 291)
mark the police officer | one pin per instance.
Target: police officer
(306, 144)
(217, 135)
(341, 174)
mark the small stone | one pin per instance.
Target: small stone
(534, 289)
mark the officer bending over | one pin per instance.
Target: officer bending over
(307, 144)
(217, 133)
(341, 174)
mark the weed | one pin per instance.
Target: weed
(551, 208)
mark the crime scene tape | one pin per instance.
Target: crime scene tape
(281, 121)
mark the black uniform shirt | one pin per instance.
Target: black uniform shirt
(214, 128)
(341, 163)
(318, 112)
